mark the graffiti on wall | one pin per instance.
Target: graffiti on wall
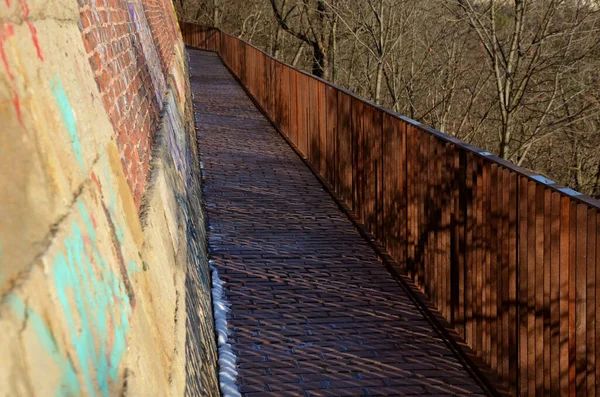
(175, 135)
(97, 308)
(95, 304)
(148, 49)
(25, 17)
(7, 30)
(64, 106)
(76, 313)
(68, 383)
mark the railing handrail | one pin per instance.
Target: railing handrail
(530, 174)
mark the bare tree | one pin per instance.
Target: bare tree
(379, 27)
(529, 46)
(519, 78)
(311, 22)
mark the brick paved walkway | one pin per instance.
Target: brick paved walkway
(313, 311)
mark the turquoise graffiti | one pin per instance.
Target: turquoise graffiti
(96, 309)
(96, 306)
(68, 118)
(68, 385)
(133, 267)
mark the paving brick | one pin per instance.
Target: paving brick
(314, 313)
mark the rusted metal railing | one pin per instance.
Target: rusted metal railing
(509, 258)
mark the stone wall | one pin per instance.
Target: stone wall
(104, 284)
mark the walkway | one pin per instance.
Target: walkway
(313, 311)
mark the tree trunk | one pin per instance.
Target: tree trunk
(216, 17)
(505, 135)
(320, 62)
(596, 189)
(298, 54)
(277, 44)
(378, 81)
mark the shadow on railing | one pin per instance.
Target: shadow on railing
(508, 257)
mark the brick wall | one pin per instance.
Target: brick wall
(122, 54)
(164, 29)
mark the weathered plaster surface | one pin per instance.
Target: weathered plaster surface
(104, 284)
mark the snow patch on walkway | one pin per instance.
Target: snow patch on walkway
(227, 360)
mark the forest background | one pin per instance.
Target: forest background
(519, 78)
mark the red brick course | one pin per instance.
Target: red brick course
(313, 311)
(115, 53)
(164, 28)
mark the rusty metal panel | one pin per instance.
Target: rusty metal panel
(411, 199)
(394, 188)
(293, 107)
(590, 285)
(332, 136)
(321, 110)
(314, 152)
(344, 149)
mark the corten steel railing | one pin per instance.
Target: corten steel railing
(509, 258)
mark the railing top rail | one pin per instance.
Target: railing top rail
(536, 177)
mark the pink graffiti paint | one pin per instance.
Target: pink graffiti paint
(96, 181)
(5, 59)
(25, 14)
(7, 3)
(17, 105)
(36, 43)
(25, 8)
(9, 31)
